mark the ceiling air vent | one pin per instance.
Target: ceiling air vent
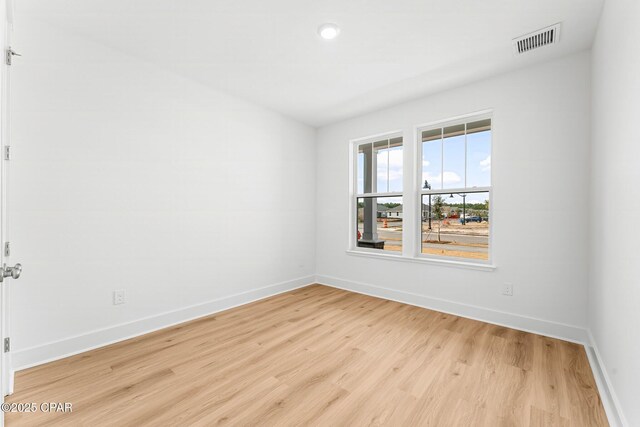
(543, 37)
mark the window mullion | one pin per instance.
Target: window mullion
(465, 155)
(388, 164)
(441, 158)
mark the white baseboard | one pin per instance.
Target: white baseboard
(37, 355)
(528, 324)
(605, 387)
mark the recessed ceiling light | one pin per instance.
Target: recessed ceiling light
(328, 31)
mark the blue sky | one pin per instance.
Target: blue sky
(478, 171)
(452, 175)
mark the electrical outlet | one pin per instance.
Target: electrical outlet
(507, 289)
(118, 297)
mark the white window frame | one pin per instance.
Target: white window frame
(352, 245)
(412, 191)
(464, 119)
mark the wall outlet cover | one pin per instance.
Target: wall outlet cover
(507, 289)
(118, 297)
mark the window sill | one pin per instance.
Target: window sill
(422, 260)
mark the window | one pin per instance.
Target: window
(456, 190)
(378, 194)
(443, 213)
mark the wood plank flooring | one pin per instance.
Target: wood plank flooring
(321, 356)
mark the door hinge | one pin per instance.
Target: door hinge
(9, 54)
(7, 345)
(7, 248)
(7, 152)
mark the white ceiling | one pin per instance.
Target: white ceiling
(268, 51)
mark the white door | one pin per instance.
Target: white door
(6, 382)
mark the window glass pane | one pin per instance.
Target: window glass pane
(385, 157)
(432, 159)
(456, 225)
(453, 145)
(381, 149)
(360, 171)
(395, 168)
(379, 223)
(479, 154)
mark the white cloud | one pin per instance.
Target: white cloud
(431, 178)
(393, 174)
(451, 177)
(393, 159)
(448, 177)
(485, 165)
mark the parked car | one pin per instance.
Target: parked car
(473, 218)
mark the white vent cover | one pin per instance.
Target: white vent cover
(543, 37)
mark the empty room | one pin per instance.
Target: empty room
(320, 212)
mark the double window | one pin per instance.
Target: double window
(452, 215)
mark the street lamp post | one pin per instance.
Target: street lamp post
(464, 208)
(463, 220)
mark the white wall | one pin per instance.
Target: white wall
(540, 206)
(614, 299)
(127, 177)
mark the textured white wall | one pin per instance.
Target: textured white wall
(540, 206)
(128, 177)
(614, 298)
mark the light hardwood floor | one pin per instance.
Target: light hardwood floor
(321, 356)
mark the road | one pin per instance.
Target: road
(395, 237)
